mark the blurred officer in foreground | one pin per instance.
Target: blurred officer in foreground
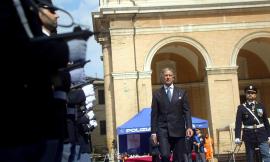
(57, 130)
(27, 85)
(256, 130)
(48, 17)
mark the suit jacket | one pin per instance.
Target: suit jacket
(170, 117)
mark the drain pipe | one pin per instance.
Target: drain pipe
(135, 60)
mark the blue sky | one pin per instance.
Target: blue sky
(81, 13)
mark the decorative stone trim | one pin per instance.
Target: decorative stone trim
(191, 28)
(125, 75)
(132, 75)
(222, 70)
(121, 31)
(145, 74)
(132, 6)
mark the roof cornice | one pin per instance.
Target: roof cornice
(125, 8)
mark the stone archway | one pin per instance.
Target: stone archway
(252, 58)
(243, 41)
(161, 43)
(190, 70)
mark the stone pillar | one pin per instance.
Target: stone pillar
(109, 97)
(223, 101)
(144, 89)
(125, 96)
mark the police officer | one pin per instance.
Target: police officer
(30, 105)
(256, 130)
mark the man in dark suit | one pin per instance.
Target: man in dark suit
(170, 118)
(256, 131)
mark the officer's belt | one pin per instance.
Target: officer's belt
(62, 95)
(254, 126)
(71, 111)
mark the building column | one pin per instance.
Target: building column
(109, 97)
(144, 89)
(125, 96)
(224, 99)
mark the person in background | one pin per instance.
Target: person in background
(208, 145)
(256, 131)
(170, 117)
(199, 141)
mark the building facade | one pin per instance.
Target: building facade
(98, 136)
(216, 47)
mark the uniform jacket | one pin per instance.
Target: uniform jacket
(245, 117)
(27, 87)
(170, 117)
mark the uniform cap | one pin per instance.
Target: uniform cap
(251, 88)
(47, 4)
(44, 2)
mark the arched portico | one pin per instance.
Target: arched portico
(242, 42)
(163, 42)
(251, 56)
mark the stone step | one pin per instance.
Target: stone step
(240, 157)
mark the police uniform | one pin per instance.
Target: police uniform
(29, 86)
(256, 129)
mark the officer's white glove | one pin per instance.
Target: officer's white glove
(237, 141)
(90, 99)
(93, 123)
(77, 75)
(88, 90)
(91, 114)
(89, 106)
(268, 140)
(77, 50)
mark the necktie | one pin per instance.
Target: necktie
(169, 94)
(252, 107)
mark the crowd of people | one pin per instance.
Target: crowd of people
(48, 114)
(198, 148)
(171, 125)
(171, 128)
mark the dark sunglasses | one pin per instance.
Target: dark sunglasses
(251, 92)
(51, 9)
